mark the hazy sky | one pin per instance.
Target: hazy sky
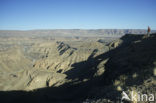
(77, 14)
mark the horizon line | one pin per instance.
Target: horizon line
(69, 29)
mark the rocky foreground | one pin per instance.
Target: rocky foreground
(76, 70)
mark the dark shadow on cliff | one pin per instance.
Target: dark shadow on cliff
(135, 56)
(129, 58)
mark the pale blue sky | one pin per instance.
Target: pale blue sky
(77, 14)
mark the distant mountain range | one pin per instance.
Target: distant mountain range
(74, 32)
